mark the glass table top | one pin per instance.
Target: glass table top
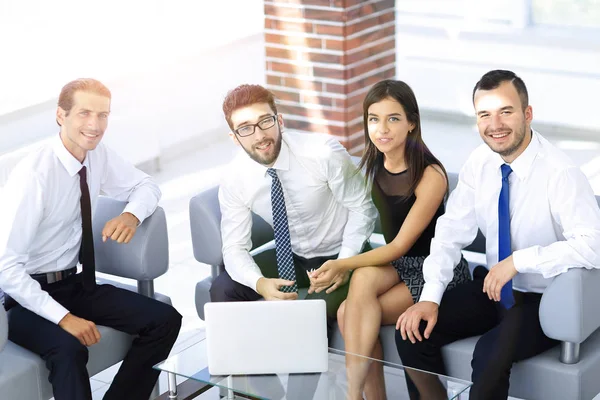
(192, 364)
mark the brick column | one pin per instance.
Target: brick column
(323, 56)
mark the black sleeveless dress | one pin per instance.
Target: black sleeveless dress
(390, 196)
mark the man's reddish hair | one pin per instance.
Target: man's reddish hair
(244, 96)
(65, 100)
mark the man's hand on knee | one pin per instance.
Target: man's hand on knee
(409, 321)
(269, 289)
(331, 275)
(85, 331)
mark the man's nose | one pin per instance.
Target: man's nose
(259, 134)
(495, 122)
(93, 122)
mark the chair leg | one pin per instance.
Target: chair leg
(215, 270)
(146, 288)
(569, 352)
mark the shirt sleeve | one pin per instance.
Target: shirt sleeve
(236, 231)
(574, 208)
(350, 189)
(124, 182)
(21, 211)
(454, 230)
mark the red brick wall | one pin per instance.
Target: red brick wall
(323, 56)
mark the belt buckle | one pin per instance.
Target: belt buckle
(52, 277)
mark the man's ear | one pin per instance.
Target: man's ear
(60, 116)
(234, 137)
(528, 114)
(280, 120)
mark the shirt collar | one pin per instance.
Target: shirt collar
(522, 164)
(283, 160)
(71, 164)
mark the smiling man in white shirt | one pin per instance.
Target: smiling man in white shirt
(540, 218)
(305, 186)
(46, 209)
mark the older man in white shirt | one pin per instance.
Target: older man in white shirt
(305, 186)
(540, 218)
(45, 209)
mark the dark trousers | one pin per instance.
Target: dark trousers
(509, 336)
(226, 289)
(156, 325)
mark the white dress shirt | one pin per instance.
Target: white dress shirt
(554, 218)
(329, 207)
(41, 216)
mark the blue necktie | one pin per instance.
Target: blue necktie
(283, 246)
(504, 249)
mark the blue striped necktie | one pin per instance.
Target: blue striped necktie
(283, 245)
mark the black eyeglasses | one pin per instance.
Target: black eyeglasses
(263, 124)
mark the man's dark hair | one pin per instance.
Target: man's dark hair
(493, 79)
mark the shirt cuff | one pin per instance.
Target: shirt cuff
(252, 278)
(53, 311)
(524, 260)
(137, 210)
(432, 292)
(346, 252)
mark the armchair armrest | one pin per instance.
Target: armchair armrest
(569, 306)
(3, 327)
(145, 258)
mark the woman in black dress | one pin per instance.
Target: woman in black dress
(408, 186)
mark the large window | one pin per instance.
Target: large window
(445, 45)
(566, 13)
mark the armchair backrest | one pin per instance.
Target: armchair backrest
(205, 224)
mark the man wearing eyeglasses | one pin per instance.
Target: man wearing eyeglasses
(305, 186)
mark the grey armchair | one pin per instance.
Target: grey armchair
(568, 313)
(23, 375)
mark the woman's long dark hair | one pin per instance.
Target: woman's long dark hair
(416, 153)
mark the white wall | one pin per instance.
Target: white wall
(445, 46)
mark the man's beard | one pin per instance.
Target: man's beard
(254, 155)
(519, 139)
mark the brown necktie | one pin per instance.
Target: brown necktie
(86, 252)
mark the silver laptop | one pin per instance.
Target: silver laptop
(266, 337)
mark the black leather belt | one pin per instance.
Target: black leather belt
(52, 277)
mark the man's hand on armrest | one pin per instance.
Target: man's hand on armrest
(85, 331)
(269, 289)
(121, 229)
